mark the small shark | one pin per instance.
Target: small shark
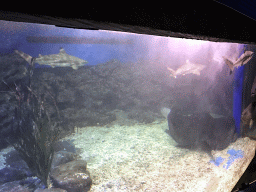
(242, 60)
(62, 59)
(186, 69)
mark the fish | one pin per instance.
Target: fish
(165, 111)
(242, 60)
(246, 115)
(201, 131)
(253, 99)
(253, 90)
(62, 59)
(187, 68)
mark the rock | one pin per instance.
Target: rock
(13, 72)
(14, 187)
(15, 168)
(72, 176)
(65, 146)
(32, 183)
(51, 190)
(62, 157)
(10, 174)
(142, 116)
(88, 96)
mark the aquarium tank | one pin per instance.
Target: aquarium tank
(96, 110)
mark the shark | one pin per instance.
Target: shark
(62, 59)
(242, 60)
(187, 68)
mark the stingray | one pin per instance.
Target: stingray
(201, 131)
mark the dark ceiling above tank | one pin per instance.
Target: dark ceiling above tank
(204, 20)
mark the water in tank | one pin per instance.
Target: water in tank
(86, 110)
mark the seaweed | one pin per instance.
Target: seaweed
(37, 131)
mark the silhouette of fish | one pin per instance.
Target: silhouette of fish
(62, 59)
(248, 116)
(201, 131)
(187, 69)
(242, 60)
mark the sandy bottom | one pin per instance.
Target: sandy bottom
(144, 158)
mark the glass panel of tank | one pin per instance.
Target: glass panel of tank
(116, 111)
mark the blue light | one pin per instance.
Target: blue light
(233, 156)
(237, 93)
